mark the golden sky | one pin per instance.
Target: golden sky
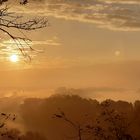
(92, 43)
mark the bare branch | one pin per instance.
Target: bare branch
(10, 20)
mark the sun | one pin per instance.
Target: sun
(14, 58)
(117, 53)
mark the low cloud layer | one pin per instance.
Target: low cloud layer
(112, 14)
(9, 47)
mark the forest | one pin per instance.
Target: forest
(69, 117)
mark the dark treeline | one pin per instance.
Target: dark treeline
(62, 117)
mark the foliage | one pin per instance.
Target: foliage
(109, 125)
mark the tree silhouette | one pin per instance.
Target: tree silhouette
(114, 124)
(76, 126)
(4, 118)
(10, 20)
(110, 124)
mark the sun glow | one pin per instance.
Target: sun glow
(14, 58)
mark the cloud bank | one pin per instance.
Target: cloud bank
(112, 14)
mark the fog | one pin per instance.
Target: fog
(36, 117)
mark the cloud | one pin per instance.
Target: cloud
(8, 47)
(120, 15)
(47, 42)
(94, 92)
(124, 1)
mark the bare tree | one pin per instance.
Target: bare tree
(116, 122)
(10, 20)
(77, 127)
(110, 124)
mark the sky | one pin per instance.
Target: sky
(88, 44)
